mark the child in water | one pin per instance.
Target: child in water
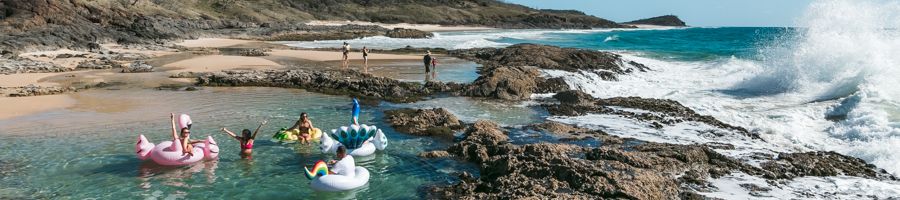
(246, 139)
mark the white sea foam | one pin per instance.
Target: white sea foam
(836, 187)
(451, 40)
(842, 66)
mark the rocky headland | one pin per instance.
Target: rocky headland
(665, 20)
(48, 24)
(513, 73)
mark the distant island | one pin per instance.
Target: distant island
(665, 20)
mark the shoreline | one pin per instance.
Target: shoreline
(201, 55)
(421, 27)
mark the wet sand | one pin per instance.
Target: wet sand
(336, 56)
(18, 80)
(21, 106)
(213, 63)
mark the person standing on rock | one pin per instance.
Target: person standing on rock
(365, 52)
(427, 60)
(346, 59)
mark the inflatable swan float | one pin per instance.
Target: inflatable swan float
(169, 152)
(361, 140)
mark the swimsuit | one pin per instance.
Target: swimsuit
(248, 146)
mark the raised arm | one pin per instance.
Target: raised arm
(174, 128)
(231, 134)
(257, 129)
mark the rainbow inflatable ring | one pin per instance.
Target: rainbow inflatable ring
(320, 169)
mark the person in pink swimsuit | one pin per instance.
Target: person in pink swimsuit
(245, 140)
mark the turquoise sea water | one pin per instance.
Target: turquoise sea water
(683, 44)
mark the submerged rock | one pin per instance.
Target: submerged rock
(434, 154)
(424, 122)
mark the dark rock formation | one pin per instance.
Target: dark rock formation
(550, 57)
(434, 154)
(507, 83)
(343, 82)
(98, 64)
(137, 67)
(13, 66)
(408, 33)
(793, 165)
(512, 73)
(32, 90)
(662, 111)
(665, 20)
(643, 171)
(253, 52)
(424, 122)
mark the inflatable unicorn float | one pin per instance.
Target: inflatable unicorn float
(169, 152)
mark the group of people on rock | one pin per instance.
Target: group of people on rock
(430, 61)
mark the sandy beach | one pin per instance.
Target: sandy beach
(18, 80)
(212, 63)
(336, 56)
(193, 63)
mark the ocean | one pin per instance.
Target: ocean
(828, 84)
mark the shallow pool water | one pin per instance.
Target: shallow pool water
(87, 151)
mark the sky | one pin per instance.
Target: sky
(693, 12)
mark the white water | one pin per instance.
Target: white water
(450, 40)
(843, 63)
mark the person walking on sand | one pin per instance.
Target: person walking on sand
(346, 58)
(427, 60)
(365, 52)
